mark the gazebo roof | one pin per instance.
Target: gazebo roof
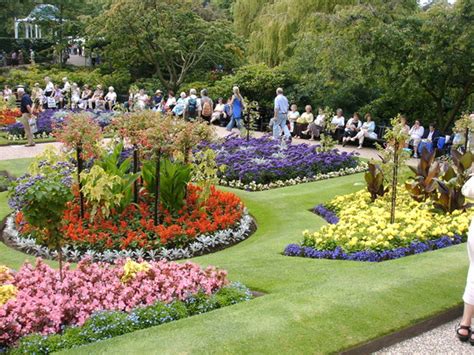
(43, 12)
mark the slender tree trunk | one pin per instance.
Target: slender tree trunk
(394, 183)
(135, 170)
(157, 190)
(61, 8)
(466, 140)
(79, 171)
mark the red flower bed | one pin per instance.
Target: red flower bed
(134, 228)
(8, 116)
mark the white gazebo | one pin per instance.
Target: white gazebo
(29, 25)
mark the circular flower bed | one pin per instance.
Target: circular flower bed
(263, 163)
(359, 229)
(199, 226)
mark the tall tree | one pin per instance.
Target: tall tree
(166, 34)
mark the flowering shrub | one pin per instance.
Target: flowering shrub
(8, 116)
(7, 290)
(134, 227)
(44, 304)
(264, 161)
(363, 226)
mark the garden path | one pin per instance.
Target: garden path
(20, 151)
(440, 340)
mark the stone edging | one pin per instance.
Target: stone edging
(203, 244)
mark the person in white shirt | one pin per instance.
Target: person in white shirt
(170, 101)
(66, 86)
(338, 123)
(353, 127)
(85, 96)
(367, 131)
(37, 97)
(416, 134)
(317, 126)
(293, 115)
(110, 98)
(7, 92)
(75, 95)
(219, 113)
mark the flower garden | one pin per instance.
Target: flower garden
(263, 163)
(125, 208)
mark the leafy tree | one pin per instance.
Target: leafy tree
(166, 35)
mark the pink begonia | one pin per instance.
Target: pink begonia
(44, 304)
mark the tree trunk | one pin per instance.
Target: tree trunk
(61, 8)
(157, 190)
(79, 170)
(135, 170)
(394, 183)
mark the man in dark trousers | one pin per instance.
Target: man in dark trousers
(26, 114)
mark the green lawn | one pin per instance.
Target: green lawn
(310, 306)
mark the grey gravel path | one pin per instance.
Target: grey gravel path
(441, 340)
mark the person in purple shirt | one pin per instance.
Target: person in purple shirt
(280, 116)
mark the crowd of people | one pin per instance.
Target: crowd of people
(17, 57)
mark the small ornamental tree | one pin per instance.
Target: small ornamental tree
(81, 133)
(42, 199)
(393, 156)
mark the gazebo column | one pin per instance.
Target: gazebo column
(27, 30)
(16, 29)
(36, 31)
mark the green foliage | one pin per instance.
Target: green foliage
(105, 191)
(375, 181)
(109, 324)
(450, 197)
(204, 171)
(174, 178)
(424, 184)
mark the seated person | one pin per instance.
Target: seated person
(178, 109)
(85, 96)
(141, 100)
(353, 127)
(430, 138)
(303, 121)
(58, 96)
(97, 97)
(317, 126)
(366, 131)
(219, 111)
(293, 115)
(37, 97)
(416, 134)
(157, 100)
(338, 124)
(75, 95)
(170, 101)
(110, 98)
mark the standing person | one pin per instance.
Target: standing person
(26, 108)
(7, 93)
(14, 59)
(192, 108)
(21, 57)
(206, 106)
(237, 106)
(94, 57)
(280, 116)
(32, 56)
(463, 329)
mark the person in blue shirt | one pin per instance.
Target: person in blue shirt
(280, 116)
(26, 108)
(237, 105)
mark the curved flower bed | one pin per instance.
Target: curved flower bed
(359, 229)
(43, 303)
(263, 163)
(199, 227)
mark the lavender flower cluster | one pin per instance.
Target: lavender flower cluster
(63, 171)
(325, 213)
(374, 256)
(47, 119)
(264, 160)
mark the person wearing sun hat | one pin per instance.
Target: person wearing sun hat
(37, 97)
(463, 329)
(157, 100)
